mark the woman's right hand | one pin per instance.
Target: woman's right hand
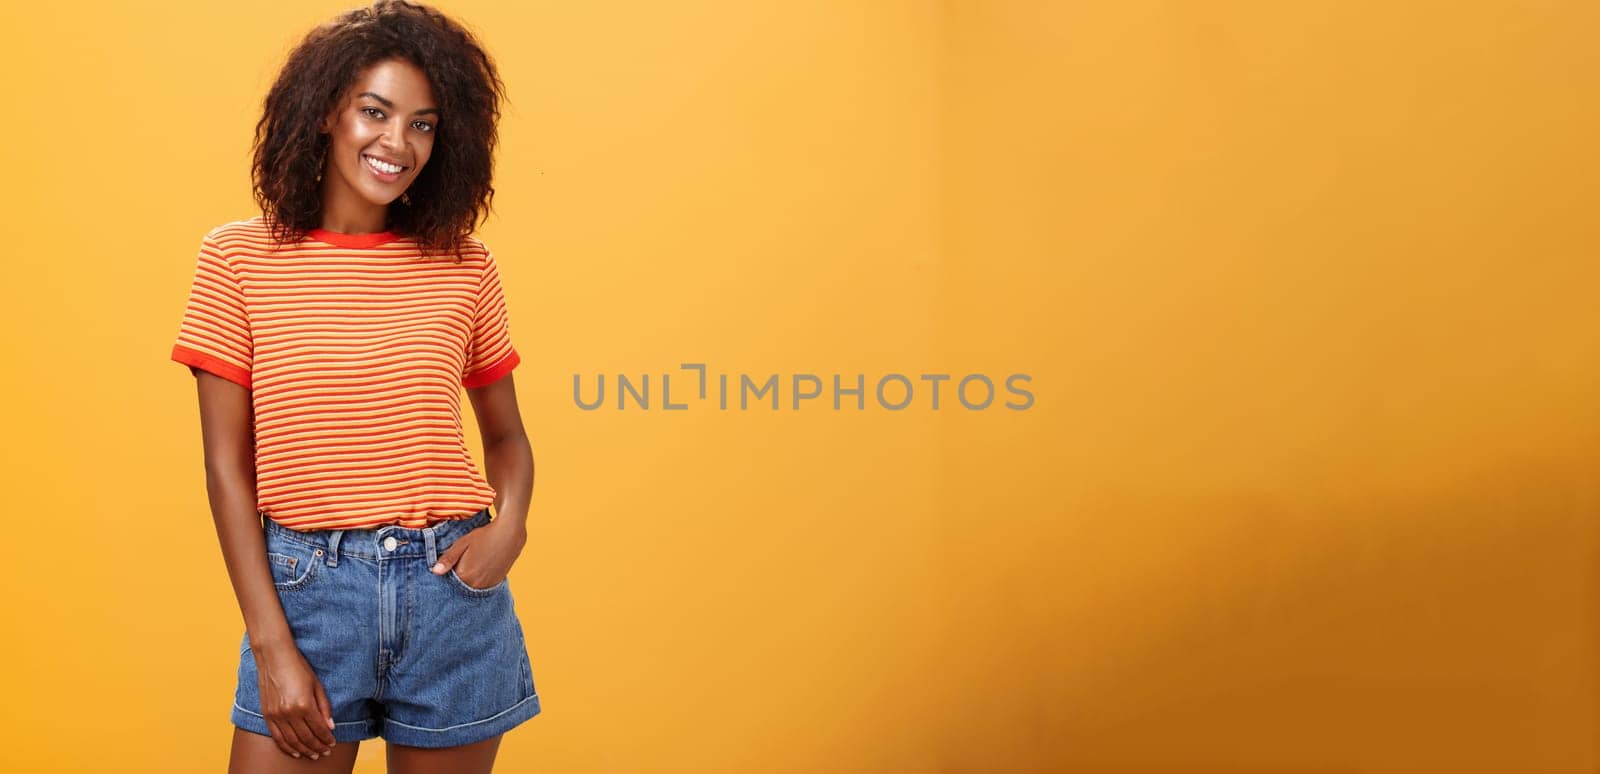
(294, 703)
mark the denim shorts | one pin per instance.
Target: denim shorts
(416, 658)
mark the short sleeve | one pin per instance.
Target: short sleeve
(489, 352)
(214, 334)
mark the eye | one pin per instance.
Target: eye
(372, 111)
(423, 126)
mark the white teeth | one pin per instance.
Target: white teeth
(384, 167)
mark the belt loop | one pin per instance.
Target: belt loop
(433, 547)
(333, 547)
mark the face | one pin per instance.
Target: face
(380, 136)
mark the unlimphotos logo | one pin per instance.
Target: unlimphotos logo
(894, 392)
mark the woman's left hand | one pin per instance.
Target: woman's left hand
(493, 548)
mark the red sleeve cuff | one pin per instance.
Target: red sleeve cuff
(197, 359)
(489, 375)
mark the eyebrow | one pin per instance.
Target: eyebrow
(390, 105)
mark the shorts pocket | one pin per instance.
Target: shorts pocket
(473, 591)
(293, 566)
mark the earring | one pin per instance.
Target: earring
(322, 158)
(405, 199)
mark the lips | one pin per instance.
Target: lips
(386, 171)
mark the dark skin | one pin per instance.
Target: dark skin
(388, 113)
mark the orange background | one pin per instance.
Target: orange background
(1306, 292)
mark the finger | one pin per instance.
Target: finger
(291, 737)
(281, 737)
(448, 559)
(305, 738)
(295, 734)
(324, 721)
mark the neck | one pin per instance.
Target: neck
(346, 212)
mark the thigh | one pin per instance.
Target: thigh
(475, 758)
(253, 753)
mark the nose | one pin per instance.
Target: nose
(390, 140)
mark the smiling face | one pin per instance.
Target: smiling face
(380, 138)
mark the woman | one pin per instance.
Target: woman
(330, 338)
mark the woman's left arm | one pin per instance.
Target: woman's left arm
(508, 458)
(508, 463)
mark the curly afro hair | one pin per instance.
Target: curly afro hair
(453, 193)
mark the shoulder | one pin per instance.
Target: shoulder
(474, 249)
(474, 255)
(247, 236)
(468, 251)
(234, 230)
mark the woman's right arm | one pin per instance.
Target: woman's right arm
(292, 699)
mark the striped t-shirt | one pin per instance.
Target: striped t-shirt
(355, 349)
